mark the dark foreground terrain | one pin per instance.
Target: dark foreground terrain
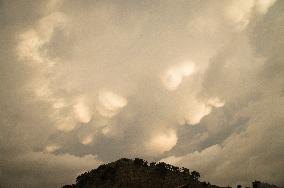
(137, 173)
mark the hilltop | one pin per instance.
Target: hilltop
(138, 173)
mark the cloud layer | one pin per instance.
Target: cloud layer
(194, 83)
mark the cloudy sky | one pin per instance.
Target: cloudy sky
(197, 83)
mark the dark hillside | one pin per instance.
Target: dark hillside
(138, 173)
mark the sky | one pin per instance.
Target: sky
(198, 84)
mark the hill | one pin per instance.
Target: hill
(138, 173)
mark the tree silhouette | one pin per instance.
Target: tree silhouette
(195, 175)
(161, 168)
(140, 162)
(185, 170)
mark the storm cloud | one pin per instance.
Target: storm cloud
(195, 83)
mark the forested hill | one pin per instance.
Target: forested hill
(138, 173)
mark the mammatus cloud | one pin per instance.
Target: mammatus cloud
(82, 111)
(110, 103)
(33, 40)
(196, 110)
(161, 142)
(173, 77)
(194, 83)
(241, 152)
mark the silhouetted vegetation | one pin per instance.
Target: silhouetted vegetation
(137, 173)
(161, 168)
(195, 175)
(140, 162)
